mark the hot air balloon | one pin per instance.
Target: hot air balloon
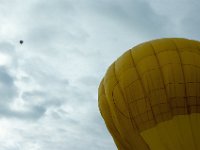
(21, 41)
(149, 97)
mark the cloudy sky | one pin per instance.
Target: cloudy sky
(48, 85)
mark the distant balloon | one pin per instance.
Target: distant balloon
(21, 41)
(150, 96)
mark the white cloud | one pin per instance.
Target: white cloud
(4, 59)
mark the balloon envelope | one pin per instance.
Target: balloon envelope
(149, 97)
(21, 41)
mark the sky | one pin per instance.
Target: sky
(49, 84)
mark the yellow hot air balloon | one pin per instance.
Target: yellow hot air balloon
(150, 96)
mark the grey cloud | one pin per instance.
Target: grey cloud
(7, 47)
(8, 93)
(69, 121)
(53, 8)
(43, 98)
(136, 15)
(33, 113)
(89, 80)
(56, 34)
(190, 23)
(8, 90)
(183, 19)
(31, 95)
(36, 112)
(55, 24)
(6, 79)
(43, 34)
(43, 72)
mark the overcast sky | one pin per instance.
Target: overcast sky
(49, 85)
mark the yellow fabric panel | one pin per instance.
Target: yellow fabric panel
(150, 84)
(118, 118)
(106, 114)
(180, 133)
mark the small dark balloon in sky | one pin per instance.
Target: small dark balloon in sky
(21, 41)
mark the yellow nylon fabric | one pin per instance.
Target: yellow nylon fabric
(180, 133)
(148, 85)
